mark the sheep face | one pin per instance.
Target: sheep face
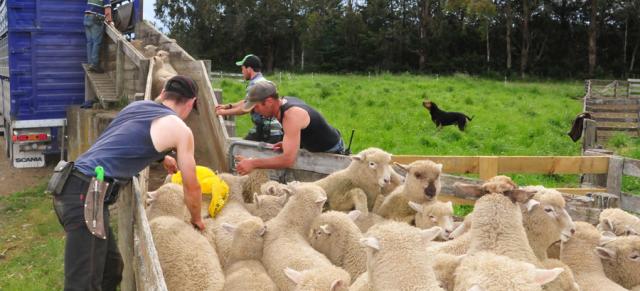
(619, 222)
(312, 196)
(374, 165)
(621, 260)
(438, 213)
(422, 182)
(248, 239)
(547, 208)
(325, 278)
(487, 271)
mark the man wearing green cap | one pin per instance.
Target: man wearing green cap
(303, 126)
(265, 129)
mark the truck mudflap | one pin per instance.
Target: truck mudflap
(27, 159)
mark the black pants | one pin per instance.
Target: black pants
(90, 263)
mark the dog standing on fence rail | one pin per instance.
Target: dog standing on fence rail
(442, 118)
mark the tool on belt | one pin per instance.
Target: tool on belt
(94, 204)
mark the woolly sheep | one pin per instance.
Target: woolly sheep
(273, 188)
(266, 206)
(432, 214)
(319, 279)
(545, 220)
(422, 184)
(444, 267)
(361, 283)
(168, 200)
(397, 259)
(621, 260)
(358, 185)
(162, 71)
(335, 235)
(619, 222)
(187, 260)
(149, 51)
(285, 243)
(490, 272)
(366, 221)
(245, 271)
(246, 185)
(579, 253)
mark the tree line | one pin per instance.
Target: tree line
(546, 38)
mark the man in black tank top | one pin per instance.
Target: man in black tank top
(303, 127)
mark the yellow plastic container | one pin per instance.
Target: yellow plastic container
(210, 184)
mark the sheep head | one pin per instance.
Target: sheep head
(433, 214)
(324, 278)
(547, 210)
(498, 184)
(422, 182)
(620, 257)
(372, 164)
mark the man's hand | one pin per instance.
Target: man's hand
(197, 223)
(170, 164)
(277, 146)
(107, 15)
(244, 166)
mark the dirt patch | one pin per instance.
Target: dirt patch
(14, 180)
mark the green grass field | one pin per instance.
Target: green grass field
(31, 242)
(513, 118)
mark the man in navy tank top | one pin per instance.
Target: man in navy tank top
(303, 126)
(141, 133)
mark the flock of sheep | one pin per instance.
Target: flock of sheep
(368, 228)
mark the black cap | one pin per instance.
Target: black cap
(183, 85)
(250, 60)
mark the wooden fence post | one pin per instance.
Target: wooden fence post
(487, 167)
(614, 176)
(589, 135)
(125, 237)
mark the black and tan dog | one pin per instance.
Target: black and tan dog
(442, 118)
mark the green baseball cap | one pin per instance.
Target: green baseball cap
(258, 93)
(250, 60)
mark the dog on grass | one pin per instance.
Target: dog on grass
(442, 118)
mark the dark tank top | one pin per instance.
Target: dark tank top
(125, 146)
(318, 136)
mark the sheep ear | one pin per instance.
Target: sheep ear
(608, 234)
(293, 275)
(256, 200)
(320, 201)
(531, 204)
(607, 238)
(607, 224)
(544, 276)
(519, 195)
(357, 157)
(338, 285)
(230, 228)
(475, 288)
(631, 231)
(151, 196)
(450, 204)
(402, 166)
(439, 167)
(287, 191)
(325, 228)
(469, 189)
(457, 232)
(262, 230)
(354, 214)
(415, 206)
(371, 242)
(605, 253)
(431, 233)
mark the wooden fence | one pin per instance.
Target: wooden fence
(615, 106)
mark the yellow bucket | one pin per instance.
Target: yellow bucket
(210, 184)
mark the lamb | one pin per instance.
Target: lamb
(621, 260)
(245, 271)
(266, 206)
(246, 185)
(162, 71)
(545, 220)
(422, 184)
(361, 283)
(329, 278)
(433, 214)
(397, 259)
(579, 253)
(168, 200)
(273, 188)
(285, 245)
(619, 222)
(366, 221)
(335, 235)
(488, 271)
(444, 266)
(195, 267)
(149, 51)
(358, 185)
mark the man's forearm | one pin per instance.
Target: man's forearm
(279, 162)
(193, 200)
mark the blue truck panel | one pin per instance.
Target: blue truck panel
(46, 47)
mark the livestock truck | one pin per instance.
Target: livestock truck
(42, 49)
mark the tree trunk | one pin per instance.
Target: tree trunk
(624, 46)
(488, 47)
(633, 56)
(592, 37)
(526, 38)
(293, 53)
(302, 59)
(509, 13)
(425, 19)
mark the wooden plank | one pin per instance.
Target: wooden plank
(613, 115)
(148, 272)
(612, 110)
(609, 133)
(451, 164)
(149, 83)
(488, 167)
(589, 134)
(620, 129)
(605, 120)
(614, 176)
(455, 200)
(125, 237)
(630, 202)
(119, 69)
(631, 167)
(617, 124)
(580, 191)
(612, 101)
(553, 165)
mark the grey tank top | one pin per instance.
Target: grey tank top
(125, 146)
